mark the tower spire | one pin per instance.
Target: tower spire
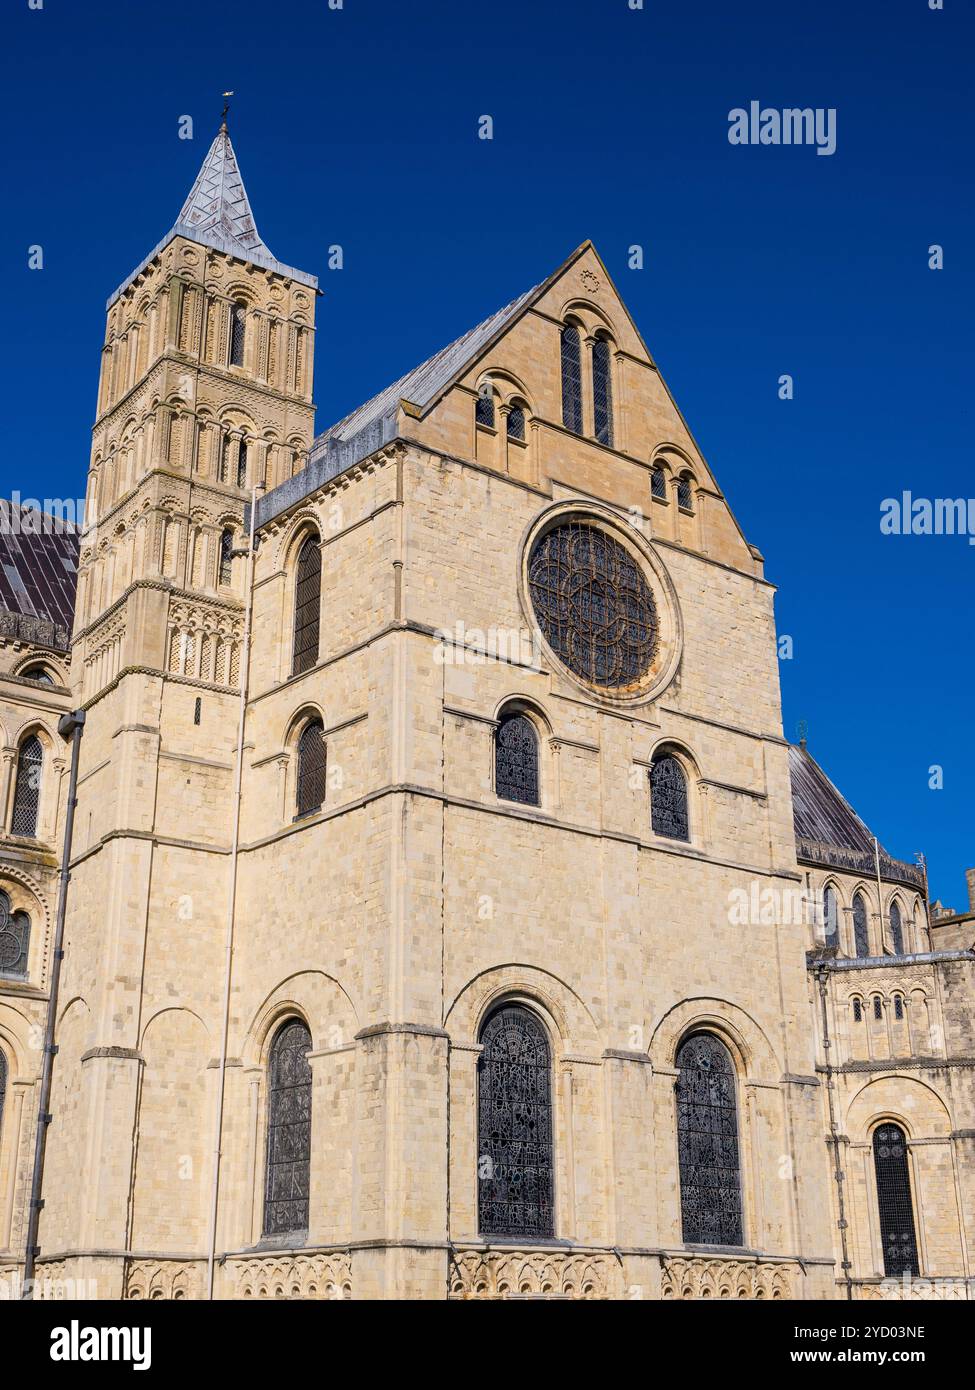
(218, 206)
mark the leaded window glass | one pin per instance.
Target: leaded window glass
(898, 1006)
(516, 760)
(288, 1131)
(878, 1008)
(894, 1201)
(516, 423)
(514, 1120)
(237, 335)
(857, 1011)
(707, 1143)
(831, 925)
(668, 799)
(27, 793)
(242, 464)
(896, 929)
(14, 940)
(484, 409)
(572, 378)
(861, 937)
(658, 483)
(308, 605)
(593, 605)
(684, 495)
(226, 561)
(311, 769)
(602, 391)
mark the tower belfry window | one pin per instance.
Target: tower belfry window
(242, 464)
(237, 335)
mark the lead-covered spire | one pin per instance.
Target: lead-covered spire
(218, 207)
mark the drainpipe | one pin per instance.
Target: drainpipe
(69, 726)
(232, 898)
(821, 976)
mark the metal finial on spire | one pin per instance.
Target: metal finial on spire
(226, 108)
(803, 729)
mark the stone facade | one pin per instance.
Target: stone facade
(398, 915)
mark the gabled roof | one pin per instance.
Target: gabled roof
(218, 213)
(819, 809)
(38, 575)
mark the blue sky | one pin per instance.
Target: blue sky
(358, 127)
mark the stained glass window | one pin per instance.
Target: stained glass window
(572, 378)
(861, 938)
(516, 760)
(896, 929)
(894, 1201)
(593, 605)
(602, 391)
(14, 940)
(288, 1131)
(27, 793)
(668, 799)
(308, 605)
(515, 1167)
(707, 1143)
(311, 769)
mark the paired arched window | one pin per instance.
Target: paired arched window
(242, 464)
(288, 1131)
(831, 923)
(516, 760)
(894, 1202)
(308, 604)
(668, 799)
(14, 940)
(685, 496)
(896, 928)
(572, 378)
(237, 334)
(310, 781)
(516, 423)
(861, 936)
(515, 1167)
(602, 391)
(658, 484)
(226, 560)
(27, 792)
(484, 409)
(707, 1143)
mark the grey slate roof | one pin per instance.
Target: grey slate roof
(218, 213)
(38, 575)
(819, 809)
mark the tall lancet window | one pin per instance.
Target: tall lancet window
(242, 464)
(515, 1169)
(896, 929)
(225, 561)
(830, 918)
(861, 935)
(602, 391)
(707, 1143)
(897, 1233)
(311, 770)
(308, 605)
(572, 378)
(288, 1131)
(237, 334)
(27, 792)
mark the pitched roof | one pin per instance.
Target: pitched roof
(38, 575)
(819, 809)
(218, 213)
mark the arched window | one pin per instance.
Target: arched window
(38, 673)
(288, 1131)
(571, 378)
(226, 562)
(310, 788)
(894, 1201)
(685, 497)
(861, 938)
(830, 918)
(514, 1127)
(516, 760)
(237, 334)
(668, 799)
(308, 604)
(857, 1011)
(878, 1008)
(484, 409)
(896, 929)
(242, 464)
(707, 1143)
(658, 484)
(27, 793)
(602, 391)
(516, 423)
(14, 940)
(898, 1007)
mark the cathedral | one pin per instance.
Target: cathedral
(445, 915)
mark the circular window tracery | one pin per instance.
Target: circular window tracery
(593, 605)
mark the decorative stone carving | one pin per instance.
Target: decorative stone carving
(540, 1274)
(293, 1276)
(164, 1279)
(717, 1278)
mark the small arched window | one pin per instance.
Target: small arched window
(896, 928)
(308, 604)
(515, 1167)
(226, 561)
(878, 1008)
(830, 918)
(237, 334)
(516, 423)
(571, 378)
(27, 792)
(861, 937)
(685, 497)
(894, 1202)
(658, 484)
(310, 782)
(484, 408)
(707, 1143)
(38, 673)
(857, 1011)
(898, 1007)
(14, 940)
(602, 391)
(242, 464)
(668, 799)
(516, 760)
(288, 1131)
